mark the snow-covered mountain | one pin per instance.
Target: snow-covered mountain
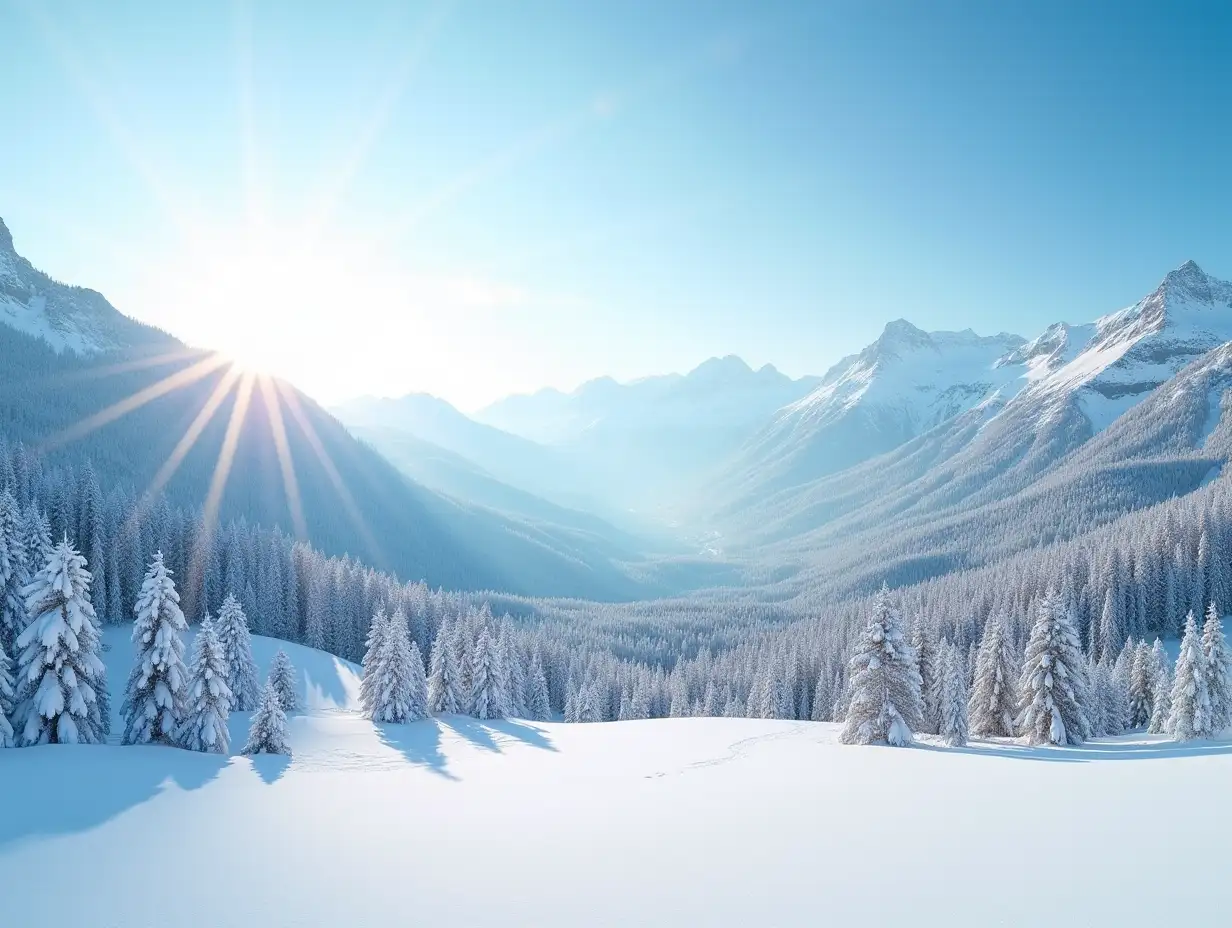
(721, 393)
(644, 441)
(901, 385)
(1114, 362)
(996, 411)
(67, 318)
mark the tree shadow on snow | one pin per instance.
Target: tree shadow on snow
(1089, 752)
(419, 742)
(491, 734)
(269, 767)
(66, 789)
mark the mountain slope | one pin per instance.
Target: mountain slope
(901, 385)
(66, 318)
(1044, 399)
(93, 384)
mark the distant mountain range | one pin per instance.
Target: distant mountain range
(918, 437)
(924, 452)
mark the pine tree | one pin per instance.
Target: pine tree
(59, 673)
(1190, 701)
(395, 689)
(374, 652)
(537, 705)
(953, 698)
(444, 683)
(1053, 687)
(14, 574)
(1218, 663)
(268, 732)
(209, 699)
(514, 675)
(1141, 687)
(153, 706)
(994, 695)
(6, 702)
(419, 686)
(282, 678)
(236, 642)
(1115, 700)
(885, 684)
(36, 539)
(1161, 696)
(487, 700)
(928, 656)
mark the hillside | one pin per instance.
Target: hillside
(609, 824)
(79, 381)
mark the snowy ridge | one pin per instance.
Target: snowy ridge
(996, 415)
(67, 318)
(1116, 361)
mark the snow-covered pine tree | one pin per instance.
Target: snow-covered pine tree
(994, 696)
(209, 699)
(1141, 687)
(59, 672)
(374, 653)
(6, 702)
(153, 706)
(396, 690)
(1161, 693)
(928, 656)
(268, 732)
(1097, 705)
(14, 574)
(537, 705)
(1190, 712)
(952, 704)
(1115, 700)
(1053, 687)
(885, 683)
(514, 682)
(232, 629)
(487, 700)
(36, 539)
(445, 679)
(282, 678)
(419, 686)
(1218, 666)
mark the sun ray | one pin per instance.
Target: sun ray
(130, 147)
(415, 47)
(318, 448)
(183, 446)
(194, 430)
(226, 454)
(120, 408)
(121, 367)
(283, 448)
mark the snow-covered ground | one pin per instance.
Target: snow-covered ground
(668, 822)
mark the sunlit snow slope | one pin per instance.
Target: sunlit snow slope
(667, 822)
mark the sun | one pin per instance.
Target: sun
(258, 296)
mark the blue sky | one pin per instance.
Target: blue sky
(472, 199)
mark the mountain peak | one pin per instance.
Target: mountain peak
(900, 334)
(720, 368)
(1189, 279)
(6, 239)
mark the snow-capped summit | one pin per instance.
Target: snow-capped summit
(1117, 360)
(902, 384)
(67, 318)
